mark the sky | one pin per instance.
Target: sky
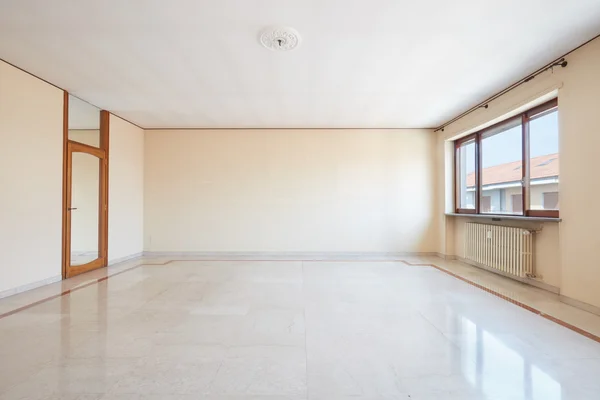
(506, 146)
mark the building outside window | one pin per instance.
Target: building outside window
(501, 184)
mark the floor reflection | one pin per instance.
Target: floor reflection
(492, 367)
(367, 331)
(84, 322)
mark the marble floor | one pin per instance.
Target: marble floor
(270, 330)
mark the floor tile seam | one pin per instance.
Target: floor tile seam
(438, 330)
(454, 345)
(533, 310)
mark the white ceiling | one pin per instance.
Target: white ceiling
(375, 63)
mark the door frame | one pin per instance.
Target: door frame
(69, 147)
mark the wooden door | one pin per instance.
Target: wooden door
(85, 187)
(86, 208)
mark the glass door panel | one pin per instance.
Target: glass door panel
(85, 208)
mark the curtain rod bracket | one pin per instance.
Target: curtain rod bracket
(560, 63)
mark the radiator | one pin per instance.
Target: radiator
(504, 248)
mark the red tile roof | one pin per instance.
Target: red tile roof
(541, 167)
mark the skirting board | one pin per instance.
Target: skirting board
(123, 259)
(528, 281)
(580, 304)
(446, 257)
(35, 285)
(286, 256)
(30, 286)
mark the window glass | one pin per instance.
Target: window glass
(486, 204)
(501, 169)
(517, 203)
(511, 168)
(466, 175)
(550, 201)
(84, 122)
(543, 161)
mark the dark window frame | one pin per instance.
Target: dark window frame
(524, 118)
(457, 146)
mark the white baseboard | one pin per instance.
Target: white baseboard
(446, 256)
(126, 258)
(580, 304)
(54, 279)
(286, 256)
(30, 286)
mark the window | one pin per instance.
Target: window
(543, 160)
(466, 175)
(550, 201)
(501, 155)
(511, 168)
(517, 203)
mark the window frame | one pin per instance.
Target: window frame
(524, 117)
(457, 145)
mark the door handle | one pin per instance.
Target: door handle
(72, 208)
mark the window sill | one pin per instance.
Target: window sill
(505, 217)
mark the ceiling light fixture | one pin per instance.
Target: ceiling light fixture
(280, 38)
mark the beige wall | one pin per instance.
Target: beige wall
(126, 190)
(290, 191)
(579, 185)
(31, 123)
(566, 253)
